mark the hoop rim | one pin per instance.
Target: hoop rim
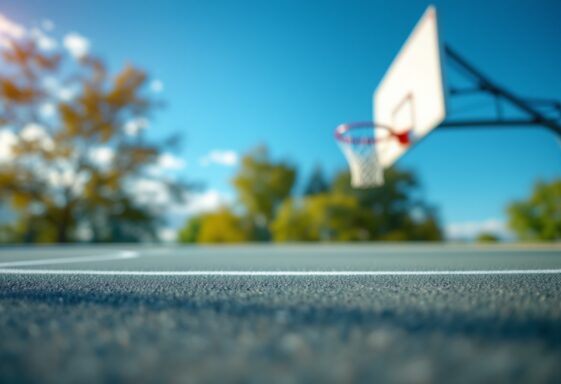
(342, 129)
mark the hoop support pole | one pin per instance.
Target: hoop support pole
(485, 84)
(499, 123)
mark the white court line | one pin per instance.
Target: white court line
(7, 268)
(280, 273)
(64, 260)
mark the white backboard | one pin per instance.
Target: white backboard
(411, 96)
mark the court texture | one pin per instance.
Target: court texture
(293, 313)
(327, 313)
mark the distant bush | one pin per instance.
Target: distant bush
(486, 237)
(538, 218)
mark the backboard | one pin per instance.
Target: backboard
(411, 96)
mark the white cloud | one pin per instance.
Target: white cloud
(155, 193)
(84, 232)
(469, 230)
(63, 92)
(63, 174)
(47, 25)
(35, 132)
(76, 44)
(170, 162)
(134, 126)
(9, 30)
(61, 178)
(7, 140)
(167, 234)
(44, 41)
(150, 192)
(67, 93)
(102, 156)
(51, 83)
(156, 86)
(166, 163)
(227, 158)
(207, 201)
(58, 174)
(47, 110)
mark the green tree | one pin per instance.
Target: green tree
(322, 217)
(262, 185)
(223, 226)
(191, 230)
(539, 216)
(398, 213)
(74, 150)
(291, 222)
(7, 234)
(317, 183)
(486, 237)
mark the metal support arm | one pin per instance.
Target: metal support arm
(484, 84)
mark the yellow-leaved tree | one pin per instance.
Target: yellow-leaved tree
(262, 185)
(73, 150)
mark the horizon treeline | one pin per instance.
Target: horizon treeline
(268, 209)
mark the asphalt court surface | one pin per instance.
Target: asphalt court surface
(414, 313)
(333, 258)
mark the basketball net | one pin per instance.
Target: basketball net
(366, 170)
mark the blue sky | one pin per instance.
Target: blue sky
(284, 73)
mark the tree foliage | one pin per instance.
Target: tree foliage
(317, 183)
(326, 211)
(190, 231)
(487, 237)
(262, 185)
(321, 217)
(397, 210)
(391, 212)
(223, 226)
(539, 216)
(73, 146)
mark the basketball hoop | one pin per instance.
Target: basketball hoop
(360, 143)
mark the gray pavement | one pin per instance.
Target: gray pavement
(77, 325)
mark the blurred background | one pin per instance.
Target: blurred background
(212, 122)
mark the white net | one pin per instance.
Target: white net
(366, 171)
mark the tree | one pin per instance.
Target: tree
(262, 185)
(223, 226)
(539, 216)
(291, 222)
(317, 183)
(74, 150)
(486, 237)
(191, 230)
(322, 217)
(398, 213)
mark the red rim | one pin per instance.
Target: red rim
(340, 131)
